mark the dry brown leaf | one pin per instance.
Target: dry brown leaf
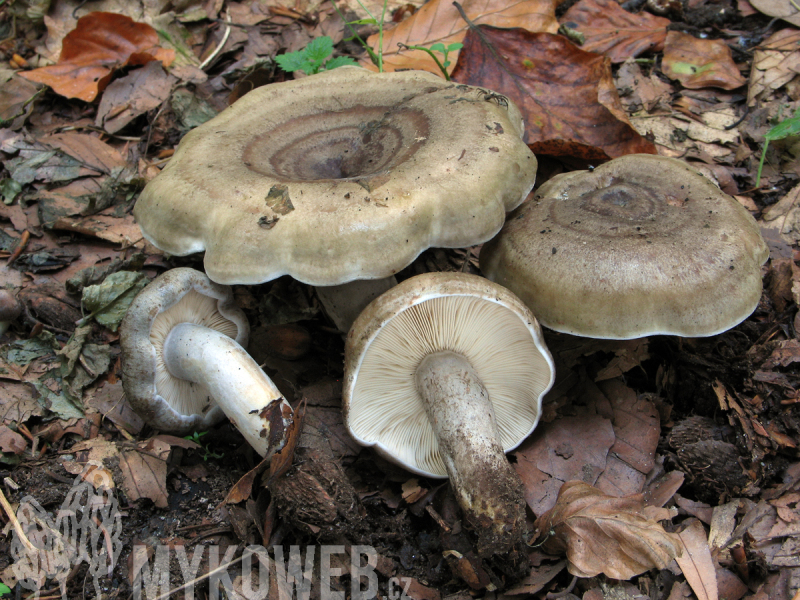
(11, 441)
(128, 97)
(568, 448)
(603, 534)
(567, 96)
(783, 217)
(144, 472)
(700, 63)
(100, 43)
(783, 9)
(696, 562)
(611, 30)
(776, 62)
(438, 21)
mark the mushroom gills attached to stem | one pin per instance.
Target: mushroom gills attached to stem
(182, 368)
(462, 416)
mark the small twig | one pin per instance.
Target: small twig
(221, 45)
(23, 241)
(562, 593)
(15, 523)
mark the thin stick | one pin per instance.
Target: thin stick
(219, 48)
(15, 522)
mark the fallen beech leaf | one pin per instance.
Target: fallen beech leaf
(603, 534)
(696, 563)
(699, 63)
(439, 21)
(776, 61)
(782, 9)
(100, 43)
(611, 30)
(11, 441)
(567, 96)
(144, 472)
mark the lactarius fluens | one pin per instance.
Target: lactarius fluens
(444, 374)
(342, 176)
(184, 367)
(641, 245)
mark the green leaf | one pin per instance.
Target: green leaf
(438, 48)
(109, 301)
(455, 46)
(9, 189)
(293, 61)
(784, 129)
(319, 49)
(339, 61)
(4, 589)
(363, 22)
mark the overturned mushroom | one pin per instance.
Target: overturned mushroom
(184, 367)
(346, 175)
(641, 245)
(443, 374)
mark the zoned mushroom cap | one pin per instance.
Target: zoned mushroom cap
(344, 175)
(641, 245)
(180, 295)
(429, 313)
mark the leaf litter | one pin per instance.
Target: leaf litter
(716, 418)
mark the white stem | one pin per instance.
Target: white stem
(239, 386)
(486, 485)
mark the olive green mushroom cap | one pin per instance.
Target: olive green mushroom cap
(641, 245)
(340, 176)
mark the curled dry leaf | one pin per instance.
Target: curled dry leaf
(783, 9)
(603, 534)
(611, 30)
(100, 43)
(567, 96)
(700, 63)
(438, 21)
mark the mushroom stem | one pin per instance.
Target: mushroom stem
(240, 388)
(486, 485)
(343, 303)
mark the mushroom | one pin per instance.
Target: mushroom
(346, 175)
(642, 245)
(184, 368)
(444, 373)
(10, 309)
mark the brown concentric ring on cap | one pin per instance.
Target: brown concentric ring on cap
(641, 245)
(340, 176)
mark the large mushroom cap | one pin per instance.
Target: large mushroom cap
(427, 314)
(340, 176)
(180, 295)
(641, 245)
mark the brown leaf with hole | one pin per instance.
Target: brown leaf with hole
(567, 96)
(611, 30)
(100, 43)
(700, 63)
(603, 534)
(438, 21)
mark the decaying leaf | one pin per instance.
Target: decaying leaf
(700, 63)
(567, 96)
(696, 561)
(144, 471)
(783, 9)
(438, 21)
(609, 29)
(776, 62)
(603, 534)
(100, 43)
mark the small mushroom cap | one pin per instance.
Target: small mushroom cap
(344, 175)
(180, 295)
(10, 307)
(466, 314)
(641, 245)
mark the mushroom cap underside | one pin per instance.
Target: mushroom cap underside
(340, 176)
(180, 295)
(429, 313)
(641, 245)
